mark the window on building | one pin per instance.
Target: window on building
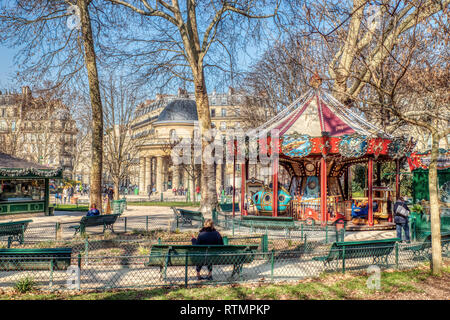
(172, 135)
(213, 113)
(223, 125)
(3, 112)
(237, 111)
(224, 112)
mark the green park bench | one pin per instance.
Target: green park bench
(423, 249)
(105, 220)
(165, 255)
(35, 259)
(228, 207)
(15, 231)
(264, 222)
(378, 250)
(187, 216)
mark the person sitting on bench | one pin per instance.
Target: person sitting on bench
(93, 211)
(208, 235)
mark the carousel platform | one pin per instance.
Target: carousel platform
(364, 227)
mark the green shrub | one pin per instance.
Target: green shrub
(25, 285)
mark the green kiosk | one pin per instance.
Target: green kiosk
(24, 186)
(418, 164)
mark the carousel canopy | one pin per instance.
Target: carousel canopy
(316, 112)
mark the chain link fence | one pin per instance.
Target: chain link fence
(115, 263)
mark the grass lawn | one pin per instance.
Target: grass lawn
(74, 207)
(71, 207)
(404, 285)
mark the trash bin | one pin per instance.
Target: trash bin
(51, 211)
(136, 191)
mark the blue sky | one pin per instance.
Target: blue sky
(7, 68)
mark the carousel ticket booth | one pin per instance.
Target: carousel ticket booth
(24, 186)
(317, 140)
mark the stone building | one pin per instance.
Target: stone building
(37, 129)
(170, 118)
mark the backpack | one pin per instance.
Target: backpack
(402, 211)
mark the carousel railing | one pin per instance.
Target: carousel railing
(298, 209)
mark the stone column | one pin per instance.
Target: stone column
(159, 174)
(175, 176)
(147, 173)
(142, 189)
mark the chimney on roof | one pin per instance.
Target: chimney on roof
(26, 92)
(230, 91)
(182, 93)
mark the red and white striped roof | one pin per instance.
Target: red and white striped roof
(316, 112)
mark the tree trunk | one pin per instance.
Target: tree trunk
(208, 176)
(116, 189)
(96, 105)
(436, 250)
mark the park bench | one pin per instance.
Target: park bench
(378, 250)
(14, 230)
(35, 259)
(106, 220)
(187, 216)
(283, 223)
(165, 255)
(228, 207)
(423, 249)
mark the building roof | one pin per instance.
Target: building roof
(15, 167)
(317, 111)
(180, 110)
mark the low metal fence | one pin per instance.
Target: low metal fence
(142, 269)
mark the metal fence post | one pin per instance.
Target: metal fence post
(186, 270)
(146, 223)
(301, 232)
(225, 240)
(51, 273)
(264, 243)
(326, 233)
(125, 226)
(396, 254)
(271, 265)
(343, 259)
(57, 231)
(86, 252)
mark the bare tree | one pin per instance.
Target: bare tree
(120, 100)
(413, 91)
(56, 39)
(179, 39)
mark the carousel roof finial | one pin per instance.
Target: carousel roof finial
(316, 80)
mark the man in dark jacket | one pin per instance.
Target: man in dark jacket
(401, 214)
(208, 235)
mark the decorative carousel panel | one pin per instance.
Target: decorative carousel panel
(296, 145)
(353, 146)
(378, 146)
(400, 147)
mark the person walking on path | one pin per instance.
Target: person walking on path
(207, 235)
(65, 193)
(401, 214)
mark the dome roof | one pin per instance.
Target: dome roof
(181, 110)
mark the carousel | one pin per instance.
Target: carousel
(317, 141)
